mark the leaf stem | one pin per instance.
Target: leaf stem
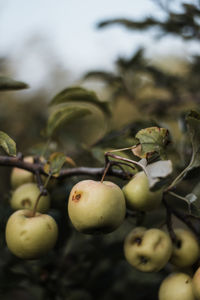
(135, 163)
(122, 149)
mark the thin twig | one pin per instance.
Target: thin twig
(169, 223)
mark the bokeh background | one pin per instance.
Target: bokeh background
(140, 57)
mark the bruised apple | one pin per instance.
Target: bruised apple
(96, 207)
(26, 195)
(186, 250)
(30, 237)
(147, 250)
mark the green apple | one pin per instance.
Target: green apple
(177, 286)
(30, 237)
(96, 207)
(196, 283)
(147, 250)
(186, 250)
(138, 195)
(26, 195)
(20, 176)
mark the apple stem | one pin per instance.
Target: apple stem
(41, 194)
(105, 171)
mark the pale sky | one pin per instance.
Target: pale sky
(67, 29)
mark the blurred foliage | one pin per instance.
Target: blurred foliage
(139, 94)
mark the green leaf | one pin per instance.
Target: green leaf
(153, 140)
(8, 145)
(64, 115)
(8, 84)
(79, 94)
(56, 162)
(193, 124)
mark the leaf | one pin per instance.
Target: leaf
(64, 115)
(157, 171)
(8, 145)
(191, 198)
(153, 140)
(193, 124)
(56, 162)
(137, 151)
(79, 94)
(8, 84)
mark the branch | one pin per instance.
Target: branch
(181, 216)
(37, 167)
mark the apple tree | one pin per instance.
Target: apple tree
(103, 206)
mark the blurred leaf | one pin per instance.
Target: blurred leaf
(56, 162)
(108, 77)
(8, 145)
(193, 123)
(157, 171)
(79, 94)
(153, 140)
(64, 115)
(8, 84)
(191, 198)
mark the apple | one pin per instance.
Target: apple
(138, 195)
(186, 251)
(196, 283)
(96, 207)
(20, 176)
(147, 250)
(30, 237)
(177, 286)
(26, 195)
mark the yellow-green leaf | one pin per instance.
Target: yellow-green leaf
(56, 162)
(8, 145)
(153, 140)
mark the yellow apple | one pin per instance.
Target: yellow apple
(96, 207)
(30, 237)
(196, 283)
(20, 176)
(186, 250)
(147, 250)
(26, 195)
(177, 286)
(138, 195)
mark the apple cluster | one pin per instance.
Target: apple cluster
(100, 207)
(96, 207)
(29, 236)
